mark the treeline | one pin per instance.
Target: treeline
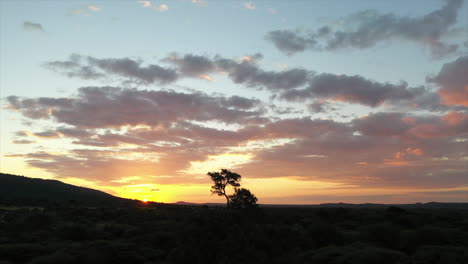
(189, 234)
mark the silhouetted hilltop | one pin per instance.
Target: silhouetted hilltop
(23, 191)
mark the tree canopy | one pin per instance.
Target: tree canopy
(242, 198)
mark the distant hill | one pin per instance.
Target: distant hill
(430, 205)
(23, 191)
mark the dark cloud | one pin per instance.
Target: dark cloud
(368, 28)
(381, 149)
(132, 69)
(244, 71)
(290, 42)
(412, 126)
(191, 65)
(321, 106)
(248, 73)
(30, 26)
(317, 107)
(352, 89)
(453, 82)
(293, 85)
(74, 132)
(21, 133)
(23, 141)
(382, 124)
(285, 110)
(46, 134)
(100, 107)
(94, 68)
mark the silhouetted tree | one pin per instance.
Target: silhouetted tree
(243, 198)
(222, 180)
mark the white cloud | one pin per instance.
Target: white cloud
(249, 5)
(272, 11)
(163, 8)
(145, 3)
(85, 10)
(94, 8)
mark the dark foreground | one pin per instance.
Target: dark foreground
(189, 234)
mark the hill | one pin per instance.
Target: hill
(430, 205)
(23, 191)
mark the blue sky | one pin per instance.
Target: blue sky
(385, 44)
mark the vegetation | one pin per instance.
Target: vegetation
(200, 234)
(241, 199)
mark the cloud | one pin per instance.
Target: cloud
(290, 42)
(294, 84)
(46, 134)
(162, 133)
(22, 133)
(382, 124)
(249, 5)
(321, 106)
(30, 26)
(453, 82)
(132, 69)
(382, 149)
(74, 132)
(145, 3)
(23, 141)
(412, 127)
(248, 73)
(163, 8)
(94, 167)
(341, 155)
(368, 28)
(90, 68)
(102, 107)
(352, 89)
(191, 65)
(245, 71)
(455, 118)
(94, 8)
(85, 10)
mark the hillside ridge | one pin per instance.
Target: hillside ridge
(17, 190)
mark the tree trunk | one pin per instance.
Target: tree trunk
(227, 201)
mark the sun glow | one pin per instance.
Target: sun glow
(216, 162)
(166, 193)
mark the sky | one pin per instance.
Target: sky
(310, 101)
